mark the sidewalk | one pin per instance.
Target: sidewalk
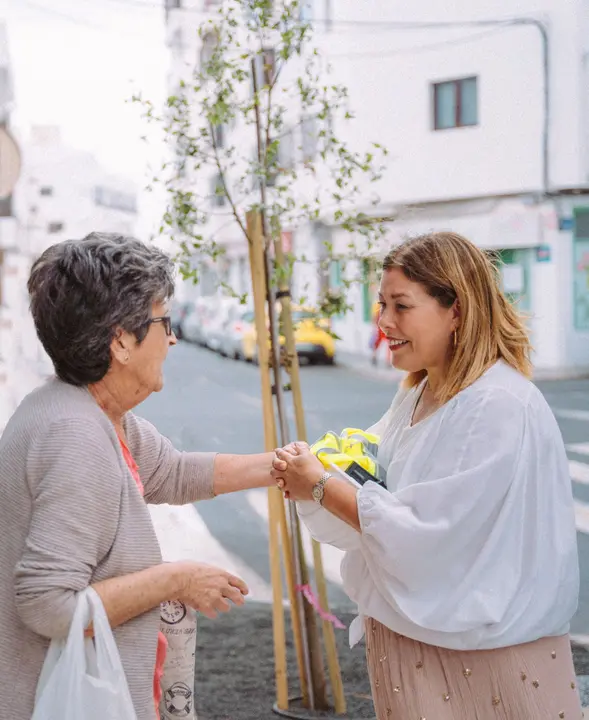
(362, 365)
(234, 677)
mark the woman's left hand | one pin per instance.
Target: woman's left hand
(296, 475)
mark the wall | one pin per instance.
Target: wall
(72, 175)
(389, 71)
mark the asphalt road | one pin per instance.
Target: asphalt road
(211, 403)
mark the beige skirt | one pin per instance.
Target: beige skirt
(414, 681)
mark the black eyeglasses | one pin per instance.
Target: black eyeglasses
(166, 320)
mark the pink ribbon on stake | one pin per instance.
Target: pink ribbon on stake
(310, 596)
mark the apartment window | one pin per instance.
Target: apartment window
(309, 137)
(286, 150)
(219, 135)
(306, 10)
(217, 192)
(207, 50)
(455, 103)
(46, 191)
(176, 41)
(54, 227)
(265, 65)
(6, 206)
(328, 16)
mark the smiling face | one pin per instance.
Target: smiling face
(418, 327)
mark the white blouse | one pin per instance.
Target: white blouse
(473, 544)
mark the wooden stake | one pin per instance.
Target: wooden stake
(293, 599)
(294, 371)
(256, 251)
(335, 675)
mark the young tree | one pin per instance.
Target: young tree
(253, 133)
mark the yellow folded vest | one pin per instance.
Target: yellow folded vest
(354, 452)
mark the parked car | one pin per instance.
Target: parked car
(178, 312)
(195, 323)
(312, 338)
(233, 333)
(227, 309)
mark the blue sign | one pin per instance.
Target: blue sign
(543, 253)
(566, 223)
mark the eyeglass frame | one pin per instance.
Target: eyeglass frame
(165, 319)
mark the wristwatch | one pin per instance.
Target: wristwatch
(319, 488)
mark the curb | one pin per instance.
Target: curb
(541, 375)
(361, 365)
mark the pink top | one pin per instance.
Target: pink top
(162, 643)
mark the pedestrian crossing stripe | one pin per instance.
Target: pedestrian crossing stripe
(579, 472)
(579, 448)
(582, 516)
(569, 414)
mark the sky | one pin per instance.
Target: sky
(76, 63)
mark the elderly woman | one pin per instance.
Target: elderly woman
(78, 468)
(464, 567)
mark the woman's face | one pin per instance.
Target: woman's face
(146, 359)
(418, 328)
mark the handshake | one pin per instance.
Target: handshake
(297, 468)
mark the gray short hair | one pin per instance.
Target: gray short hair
(82, 291)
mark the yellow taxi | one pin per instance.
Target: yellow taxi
(313, 341)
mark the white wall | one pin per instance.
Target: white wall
(390, 93)
(73, 176)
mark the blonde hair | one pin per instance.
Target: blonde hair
(451, 268)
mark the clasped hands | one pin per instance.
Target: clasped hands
(296, 471)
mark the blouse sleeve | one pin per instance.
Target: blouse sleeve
(441, 534)
(168, 475)
(327, 528)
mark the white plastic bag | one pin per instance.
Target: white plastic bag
(83, 678)
(178, 624)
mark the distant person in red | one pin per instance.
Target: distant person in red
(377, 336)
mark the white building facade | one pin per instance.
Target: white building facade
(488, 128)
(61, 193)
(485, 112)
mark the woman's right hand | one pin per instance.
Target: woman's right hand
(209, 589)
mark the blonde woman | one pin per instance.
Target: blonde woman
(465, 567)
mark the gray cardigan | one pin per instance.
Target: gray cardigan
(71, 515)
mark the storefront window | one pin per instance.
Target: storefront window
(581, 269)
(369, 287)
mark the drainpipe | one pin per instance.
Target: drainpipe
(543, 30)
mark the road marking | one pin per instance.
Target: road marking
(579, 448)
(579, 472)
(184, 535)
(582, 516)
(571, 414)
(332, 557)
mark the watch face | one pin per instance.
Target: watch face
(318, 492)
